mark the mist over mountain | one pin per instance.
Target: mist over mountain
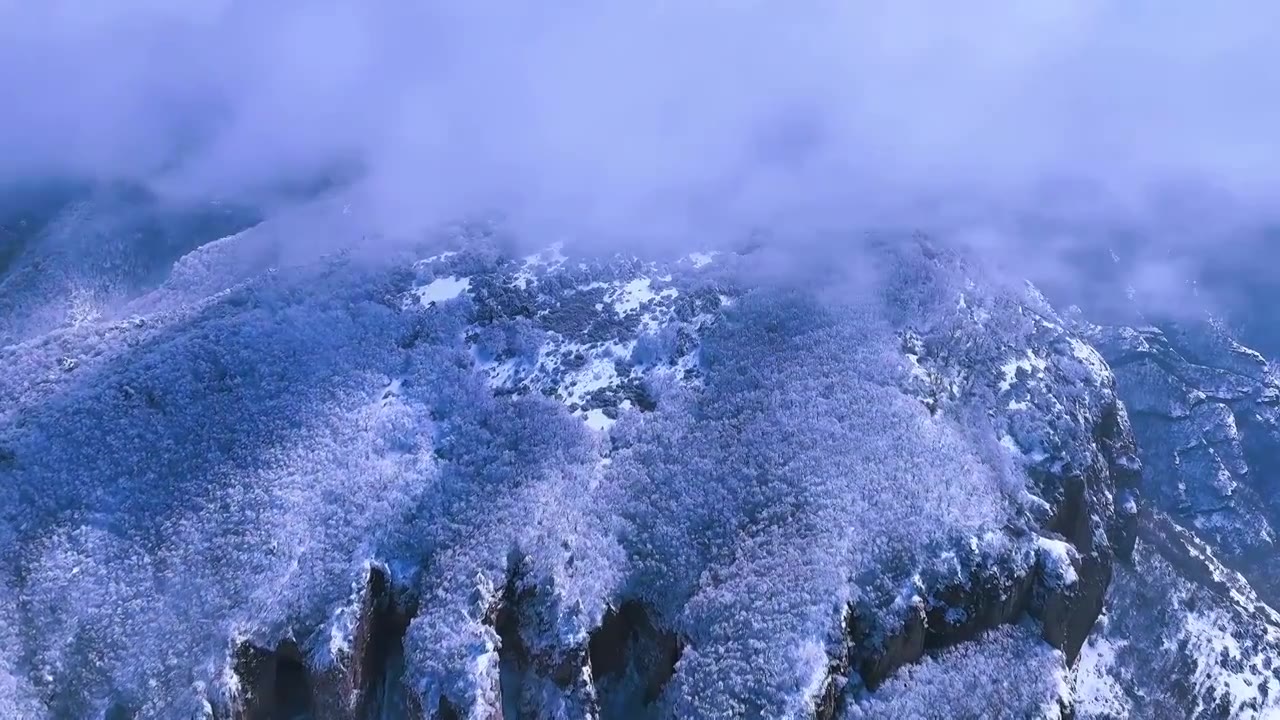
(638, 360)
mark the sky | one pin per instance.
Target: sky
(644, 119)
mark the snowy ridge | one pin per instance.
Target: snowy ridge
(555, 484)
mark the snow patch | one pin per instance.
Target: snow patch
(597, 420)
(1097, 693)
(1089, 357)
(437, 257)
(1031, 364)
(637, 293)
(540, 262)
(917, 370)
(1251, 682)
(599, 372)
(1059, 558)
(701, 259)
(442, 289)
(634, 294)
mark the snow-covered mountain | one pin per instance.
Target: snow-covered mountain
(1190, 628)
(468, 479)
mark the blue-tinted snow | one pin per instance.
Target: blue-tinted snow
(219, 457)
(1008, 673)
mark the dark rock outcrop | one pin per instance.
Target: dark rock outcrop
(632, 659)
(273, 683)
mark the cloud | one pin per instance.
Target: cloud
(652, 117)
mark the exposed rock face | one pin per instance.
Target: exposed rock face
(632, 659)
(363, 681)
(276, 683)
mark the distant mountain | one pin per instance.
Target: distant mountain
(1190, 624)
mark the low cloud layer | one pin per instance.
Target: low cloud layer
(653, 117)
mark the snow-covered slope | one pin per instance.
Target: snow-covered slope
(479, 482)
(1207, 415)
(1190, 627)
(1183, 636)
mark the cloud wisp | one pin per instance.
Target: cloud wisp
(655, 118)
